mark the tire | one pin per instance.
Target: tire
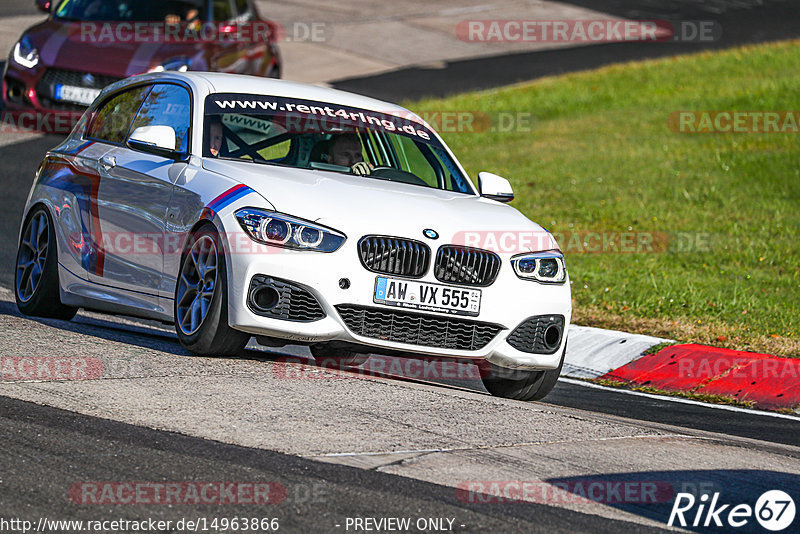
(521, 385)
(36, 285)
(201, 298)
(326, 356)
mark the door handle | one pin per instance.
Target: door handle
(108, 162)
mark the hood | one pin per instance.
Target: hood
(361, 205)
(62, 45)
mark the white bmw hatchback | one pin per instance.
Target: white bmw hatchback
(235, 206)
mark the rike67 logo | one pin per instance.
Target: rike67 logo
(774, 511)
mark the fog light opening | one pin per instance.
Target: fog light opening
(15, 91)
(552, 336)
(264, 298)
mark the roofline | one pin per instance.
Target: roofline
(204, 84)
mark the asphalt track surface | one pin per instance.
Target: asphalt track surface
(61, 447)
(47, 449)
(739, 21)
(13, 8)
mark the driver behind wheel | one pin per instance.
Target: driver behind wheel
(345, 150)
(215, 135)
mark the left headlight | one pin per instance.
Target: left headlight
(281, 230)
(547, 267)
(25, 53)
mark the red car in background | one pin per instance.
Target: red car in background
(61, 64)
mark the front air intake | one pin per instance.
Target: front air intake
(281, 299)
(538, 335)
(445, 332)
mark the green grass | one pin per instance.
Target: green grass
(600, 157)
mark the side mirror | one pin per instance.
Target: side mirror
(43, 5)
(495, 187)
(159, 140)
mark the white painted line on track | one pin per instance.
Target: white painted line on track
(680, 400)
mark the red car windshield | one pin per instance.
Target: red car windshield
(129, 10)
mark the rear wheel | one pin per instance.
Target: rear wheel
(521, 385)
(36, 280)
(201, 298)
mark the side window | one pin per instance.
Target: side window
(453, 181)
(110, 122)
(222, 10)
(167, 105)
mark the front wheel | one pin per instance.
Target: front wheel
(521, 385)
(36, 286)
(201, 298)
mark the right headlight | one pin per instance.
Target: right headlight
(547, 267)
(25, 53)
(281, 230)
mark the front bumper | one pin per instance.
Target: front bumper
(29, 104)
(508, 302)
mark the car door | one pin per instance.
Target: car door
(135, 194)
(77, 170)
(71, 176)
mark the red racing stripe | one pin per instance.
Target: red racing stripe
(98, 232)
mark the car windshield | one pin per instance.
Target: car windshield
(128, 10)
(328, 137)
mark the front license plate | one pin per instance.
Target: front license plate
(79, 95)
(425, 296)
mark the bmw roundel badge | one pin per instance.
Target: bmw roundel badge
(430, 234)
